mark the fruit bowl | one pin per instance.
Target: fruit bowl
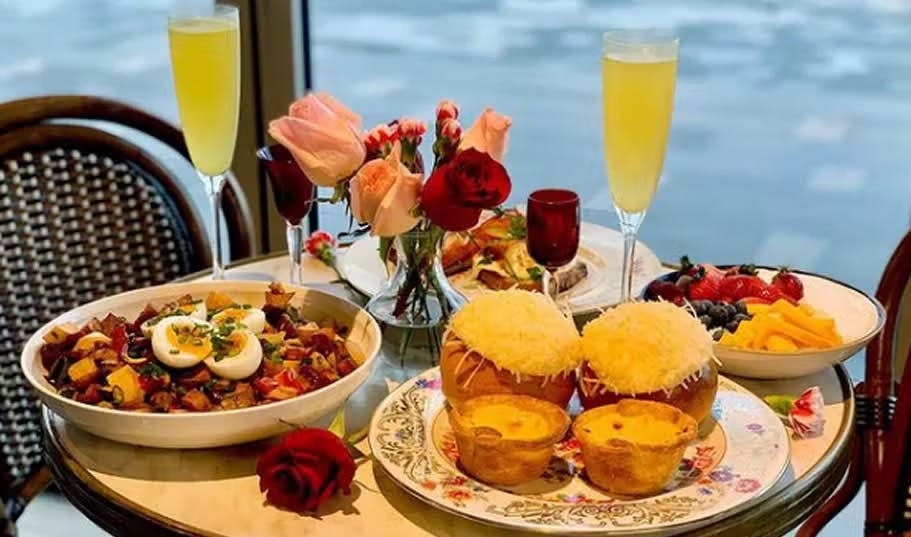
(857, 319)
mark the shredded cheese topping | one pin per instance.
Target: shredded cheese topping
(519, 331)
(642, 347)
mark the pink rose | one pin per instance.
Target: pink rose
(385, 194)
(447, 109)
(488, 134)
(807, 414)
(323, 137)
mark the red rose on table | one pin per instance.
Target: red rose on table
(305, 469)
(457, 191)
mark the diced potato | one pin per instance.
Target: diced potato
(218, 301)
(304, 332)
(779, 343)
(83, 372)
(125, 382)
(59, 333)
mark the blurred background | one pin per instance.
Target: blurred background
(791, 139)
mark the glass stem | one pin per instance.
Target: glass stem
(214, 184)
(629, 252)
(295, 236)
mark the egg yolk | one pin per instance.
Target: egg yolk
(230, 345)
(193, 340)
(230, 315)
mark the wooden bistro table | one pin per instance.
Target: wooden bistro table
(134, 492)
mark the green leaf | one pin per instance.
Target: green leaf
(781, 404)
(535, 273)
(337, 427)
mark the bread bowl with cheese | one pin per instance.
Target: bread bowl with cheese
(648, 350)
(510, 342)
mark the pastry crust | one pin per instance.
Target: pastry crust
(630, 460)
(694, 396)
(507, 439)
(466, 375)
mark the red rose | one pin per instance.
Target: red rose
(475, 179)
(440, 208)
(305, 469)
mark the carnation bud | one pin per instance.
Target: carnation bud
(447, 109)
(451, 129)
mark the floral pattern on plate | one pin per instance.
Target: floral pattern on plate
(737, 459)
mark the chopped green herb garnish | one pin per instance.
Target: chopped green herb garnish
(535, 273)
(174, 351)
(517, 228)
(151, 370)
(486, 260)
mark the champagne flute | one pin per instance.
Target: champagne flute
(639, 71)
(293, 193)
(552, 236)
(205, 58)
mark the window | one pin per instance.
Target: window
(791, 125)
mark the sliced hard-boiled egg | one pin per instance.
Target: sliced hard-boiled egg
(182, 341)
(253, 319)
(195, 309)
(237, 356)
(88, 341)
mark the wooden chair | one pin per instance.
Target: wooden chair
(83, 214)
(880, 451)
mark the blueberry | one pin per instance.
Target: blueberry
(706, 320)
(700, 307)
(731, 309)
(741, 317)
(717, 335)
(741, 307)
(719, 313)
(732, 326)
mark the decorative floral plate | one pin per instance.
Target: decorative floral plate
(601, 249)
(741, 453)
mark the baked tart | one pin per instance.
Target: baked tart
(507, 439)
(633, 447)
(648, 350)
(510, 342)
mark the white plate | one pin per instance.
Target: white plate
(858, 318)
(601, 249)
(741, 454)
(217, 428)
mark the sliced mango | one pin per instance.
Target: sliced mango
(779, 343)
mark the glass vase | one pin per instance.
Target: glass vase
(417, 294)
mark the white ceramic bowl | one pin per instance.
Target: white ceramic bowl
(217, 428)
(858, 318)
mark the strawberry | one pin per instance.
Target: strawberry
(706, 284)
(772, 294)
(742, 286)
(789, 283)
(664, 290)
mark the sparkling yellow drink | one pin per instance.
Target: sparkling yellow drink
(205, 56)
(638, 103)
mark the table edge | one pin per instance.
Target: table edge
(121, 516)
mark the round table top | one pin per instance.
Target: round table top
(134, 491)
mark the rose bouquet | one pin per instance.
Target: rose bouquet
(380, 175)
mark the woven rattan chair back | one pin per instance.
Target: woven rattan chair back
(83, 214)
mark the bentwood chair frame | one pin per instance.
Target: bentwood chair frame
(880, 450)
(56, 138)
